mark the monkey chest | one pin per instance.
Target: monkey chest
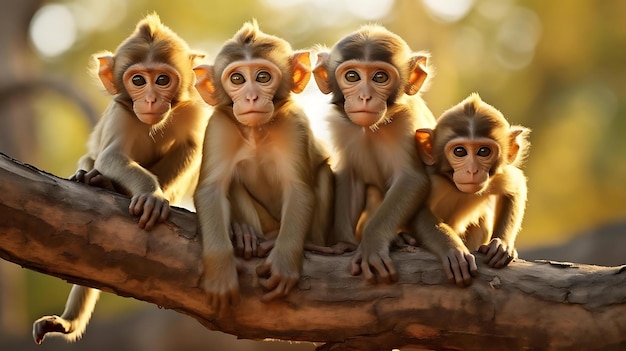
(262, 180)
(460, 210)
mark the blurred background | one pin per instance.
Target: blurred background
(557, 67)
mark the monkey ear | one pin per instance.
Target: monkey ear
(417, 65)
(320, 73)
(204, 84)
(196, 57)
(424, 139)
(518, 144)
(301, 63)
(105, 73)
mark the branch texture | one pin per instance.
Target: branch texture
(85, 236)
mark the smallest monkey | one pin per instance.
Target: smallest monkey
(478, 191)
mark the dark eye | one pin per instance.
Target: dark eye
(484, 151)
(352, 76)
(162, 80)
(138, 80)
(237, 79)
(263, 77)
(459, 151)
(380, 77)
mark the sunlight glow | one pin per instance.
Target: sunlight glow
(448, 10)
(53, 30)
(371, 10)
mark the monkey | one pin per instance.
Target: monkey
(478, 191)
(261, 164)
(374, 79)
(146, 145)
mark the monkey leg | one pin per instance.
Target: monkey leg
(72, 323)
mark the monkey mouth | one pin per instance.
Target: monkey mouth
(471, 188)
(364, 118)
(152, 118)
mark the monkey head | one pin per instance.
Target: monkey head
(367, 71)
(471, 142)
(253, 72)
(150, 72)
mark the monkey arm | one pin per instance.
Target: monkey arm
(349, 203)
(439, 238)
(281, 270)
(511, 206)
(405, 196)
(116, 165)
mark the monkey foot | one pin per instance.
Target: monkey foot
(49, 324)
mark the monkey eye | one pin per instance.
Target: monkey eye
(352, 76)
(380, 77)
(163, 80)
(484, 151)
(237, 78)
(138, 80)
(459, 151)
(263, 77)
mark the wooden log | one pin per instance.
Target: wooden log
(85, 236)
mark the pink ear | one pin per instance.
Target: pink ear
(301, 71)
(518, 144)
(424, 139)
(418, 74)
(105, 73)
(204, 84)
(320, 73)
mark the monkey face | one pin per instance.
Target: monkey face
(366, 86)
(151, 86)
(472, 161)
(252, 85)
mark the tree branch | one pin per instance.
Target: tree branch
(85, 236)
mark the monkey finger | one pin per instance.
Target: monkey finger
(136, 205)
(498, 257)
(407, 239)
(237, 239)
(247, 245)
(473, 268)
(153, 218)
(280, 291)
(355, 264)
(265, 247)
(456, 276)
(391, 269)
(447, 269)
(254, 247)
(263, 270)
(503, 260)
(165, 211)
(270, 283)
(79, 176)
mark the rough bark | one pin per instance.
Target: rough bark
(84, 235)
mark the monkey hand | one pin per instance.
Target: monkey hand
(497, 253)
(93, 178)
(365, 259)
(247, 241)
(460, 266)
(49, 324)
(219, 281)
(152, 207)
(279, 273)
